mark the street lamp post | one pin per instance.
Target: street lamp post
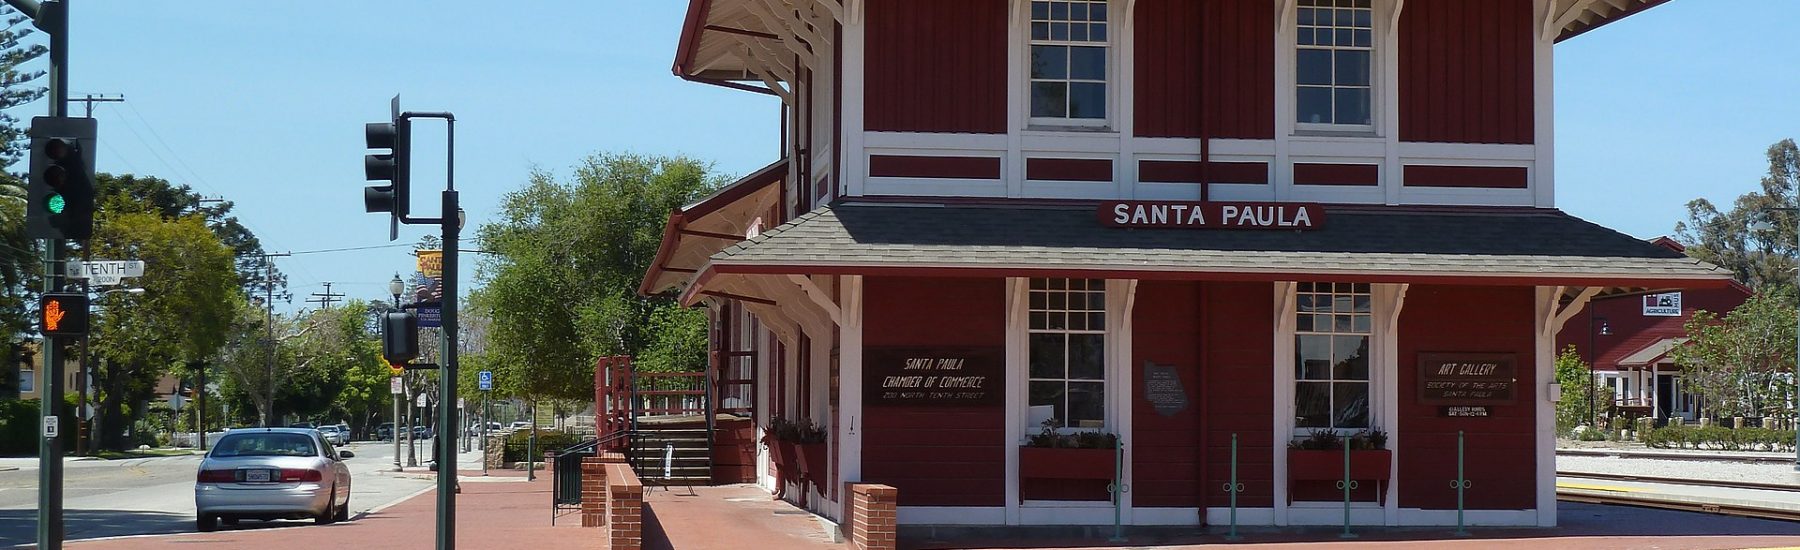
(395, 287)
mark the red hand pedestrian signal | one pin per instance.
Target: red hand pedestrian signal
(53, 315)
(63, 314)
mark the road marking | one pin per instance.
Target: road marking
(1611, 488)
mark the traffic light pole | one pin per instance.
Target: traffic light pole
(52, 17)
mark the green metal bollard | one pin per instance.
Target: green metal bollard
(1118, 490)
(1233, 488)
(1461, 483)
(1347, 484)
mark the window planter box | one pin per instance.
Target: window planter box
(1304, 465)
(786, 459)
(812, 463)
(1066, 463)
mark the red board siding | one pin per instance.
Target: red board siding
(1501, 456)
(890, 166)
(1181, 171)
(1466, 71)
(936, 66)
(1225, 73)
(1068, 169)
(936, 456)
(1166, 449)
(1480, 177)
(1237, 388)
(1337, 174)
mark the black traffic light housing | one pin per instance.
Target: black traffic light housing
(63, 313)
(391, 166)
(400, 336)
(60, 188)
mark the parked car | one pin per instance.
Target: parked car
(385, 431)
(303, 425)
(516, 426)
(334, 434)
(492, 427)
(421, 432)
(272, 473)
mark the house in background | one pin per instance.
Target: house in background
(1628, 339)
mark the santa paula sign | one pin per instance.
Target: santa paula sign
(1211, 215)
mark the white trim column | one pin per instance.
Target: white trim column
(1283, 413)
(1388, 301)
(1017, 289)
(1121, 297)
(849, 422)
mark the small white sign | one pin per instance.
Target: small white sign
(50, 426)
(1662, 305)
(106, 272)
(421, 400)
(394, 386)
(459, 402)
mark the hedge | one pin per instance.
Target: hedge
(516, 443)
(1719, 438)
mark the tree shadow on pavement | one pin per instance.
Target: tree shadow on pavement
(20, 526)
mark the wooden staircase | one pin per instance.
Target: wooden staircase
(683, 445)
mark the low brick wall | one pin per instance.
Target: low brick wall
(624, 508)
(872, 518)
(593, 487)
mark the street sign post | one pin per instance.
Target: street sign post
(105, 272)
(485, 380)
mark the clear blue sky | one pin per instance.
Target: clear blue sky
(264, 103)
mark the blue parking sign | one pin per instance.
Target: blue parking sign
(485, 380)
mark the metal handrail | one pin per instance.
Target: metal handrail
(565, 472)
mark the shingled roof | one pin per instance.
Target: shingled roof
(1378, 244)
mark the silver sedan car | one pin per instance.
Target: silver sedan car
(272, 473)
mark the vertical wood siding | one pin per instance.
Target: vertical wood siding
(1238, 388)
(935, 66)
(1501, 450)
(1166, 453)
(1466, 71)
(936, 456)
(1235, 94)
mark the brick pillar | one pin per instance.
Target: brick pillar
(872, 518)
(593, 487)
(625, 509)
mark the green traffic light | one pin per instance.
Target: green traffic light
(55, 204)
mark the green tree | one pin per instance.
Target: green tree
(561, 286)
(1741, 364)
(1578, 393)
(20, 269)
(174, 201)
(1758, 258)
(183, 314)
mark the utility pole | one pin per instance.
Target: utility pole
(324, 299)
(269, 305)
(91, 99)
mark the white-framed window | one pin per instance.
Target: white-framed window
(1069, 62)
(27, 380)
(1066, 351)
(1334, 64)
(1333, 329)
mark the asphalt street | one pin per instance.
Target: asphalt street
(107, 498)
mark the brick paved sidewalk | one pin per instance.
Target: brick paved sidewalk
(499, 515)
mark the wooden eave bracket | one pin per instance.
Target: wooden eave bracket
(819, 298)
(1555, 21)
(1561, 313)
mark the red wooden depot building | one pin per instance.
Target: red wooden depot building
(1178, 222)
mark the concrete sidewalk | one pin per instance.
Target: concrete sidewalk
(502, 511)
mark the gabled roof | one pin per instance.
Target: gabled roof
(698, 230)
(1366, 244)
(1653, 353)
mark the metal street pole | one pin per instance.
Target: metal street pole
(52, 17)
(452, 224)
(1796, 420)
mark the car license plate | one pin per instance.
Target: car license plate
(256, 475)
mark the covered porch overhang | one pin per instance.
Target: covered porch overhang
(697, 231)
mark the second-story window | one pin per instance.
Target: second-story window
(1334, 46)
(1069, 40)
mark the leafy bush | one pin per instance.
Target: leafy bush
(519, 442)
(1591, 435)
(1719, 438)
(18, 426)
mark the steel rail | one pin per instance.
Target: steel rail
(1672, 456)
(1684, 481)
(1623, 499)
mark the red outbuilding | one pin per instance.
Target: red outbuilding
(1017, 253)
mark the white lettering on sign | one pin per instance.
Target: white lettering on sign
(1667, 304)
(105, 272)
(50, 426)
(1211, 215)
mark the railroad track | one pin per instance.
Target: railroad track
(1666, 502)
(1684, 481)
(1787, 459)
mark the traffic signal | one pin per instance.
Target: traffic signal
(388, 163)
(63, 314)
(399, 336)
(60, 188)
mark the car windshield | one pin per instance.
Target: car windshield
(266, 444)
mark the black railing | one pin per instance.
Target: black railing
(565, 473)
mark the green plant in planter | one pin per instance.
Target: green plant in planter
(1371, 439)
(1320, 440)
(1049, 437)
(807, 433)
